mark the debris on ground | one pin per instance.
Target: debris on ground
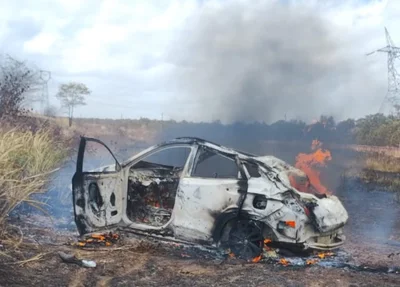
(68, 258)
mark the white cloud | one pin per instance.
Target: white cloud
(124, 46)
(41, 43)
(138, 31)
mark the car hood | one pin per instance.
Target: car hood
(282, 168)
(329, 212)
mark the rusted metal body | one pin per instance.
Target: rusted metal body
(183, 203)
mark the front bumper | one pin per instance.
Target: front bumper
(330, 214)
(327, 241)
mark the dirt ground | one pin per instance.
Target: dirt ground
(372, 249)
(134, 261)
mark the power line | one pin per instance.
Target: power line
(393, 93)
(45, 77)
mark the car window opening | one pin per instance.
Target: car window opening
(252, 169)
(153, 184)
(98, 159)
(211, 164)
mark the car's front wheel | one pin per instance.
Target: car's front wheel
(245, 239)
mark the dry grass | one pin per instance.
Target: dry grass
(26, 160)
(133, 130)
(382, 163)
(381, 169)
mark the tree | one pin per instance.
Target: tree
(367, 127)
(345, 131)
(17, 80)
(72, 95)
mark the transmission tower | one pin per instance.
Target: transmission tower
(393, 93)
(45, 77)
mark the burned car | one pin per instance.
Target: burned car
(195, 191)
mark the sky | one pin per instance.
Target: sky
(207, 60)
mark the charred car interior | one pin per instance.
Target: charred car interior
(152, 186)
(192, 190)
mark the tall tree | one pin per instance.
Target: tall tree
(72, 95)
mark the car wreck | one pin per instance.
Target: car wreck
(192, 190)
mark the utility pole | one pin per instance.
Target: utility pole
(393, 93)
(162, 122)
(45, 77)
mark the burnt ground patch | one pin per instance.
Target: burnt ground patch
(143, 267)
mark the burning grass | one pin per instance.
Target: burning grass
(26, 160)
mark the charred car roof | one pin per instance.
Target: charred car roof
(198, 141)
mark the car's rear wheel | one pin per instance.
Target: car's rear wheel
(245, 239)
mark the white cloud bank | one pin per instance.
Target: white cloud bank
(206, 60)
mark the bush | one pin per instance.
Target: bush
(17, 82)
(26, 160)
(378, 130)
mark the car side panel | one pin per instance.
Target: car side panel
(198, 203)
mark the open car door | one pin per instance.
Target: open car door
(97, 193)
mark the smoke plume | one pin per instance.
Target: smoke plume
(266, 61)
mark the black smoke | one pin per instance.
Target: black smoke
(267, 62)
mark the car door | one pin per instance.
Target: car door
(153, 180)
(97, 193)
(212, 187)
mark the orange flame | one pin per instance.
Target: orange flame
(311, 261)
(307, 163)
(100, 237)
(284, 262)
(106, 239)
(322, 255)
(256, 259)
(267, 240)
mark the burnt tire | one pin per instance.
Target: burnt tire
(245, 239)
